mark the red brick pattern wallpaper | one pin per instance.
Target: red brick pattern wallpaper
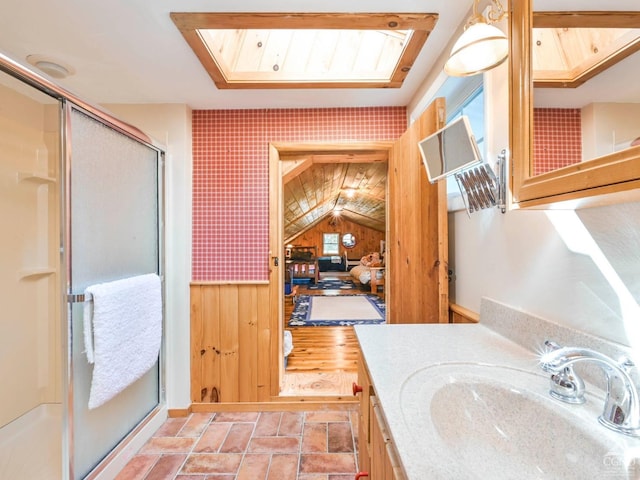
(231, 177)
(557, 138)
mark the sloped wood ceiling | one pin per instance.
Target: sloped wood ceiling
(316, 191)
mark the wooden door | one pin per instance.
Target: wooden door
(417, 235)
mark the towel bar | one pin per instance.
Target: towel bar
(87, 297)
(79, 298)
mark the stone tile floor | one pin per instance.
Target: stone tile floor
(314, 445)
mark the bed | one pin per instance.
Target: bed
(349, 262)
(333, 263)
(302, 265)
(370, 271)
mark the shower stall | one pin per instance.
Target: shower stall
(81, 202)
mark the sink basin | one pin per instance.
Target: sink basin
(488, 421)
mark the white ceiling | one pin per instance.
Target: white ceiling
(129, 51)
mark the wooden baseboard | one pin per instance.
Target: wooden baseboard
(279, 404)
(179, 412)
(459, 314)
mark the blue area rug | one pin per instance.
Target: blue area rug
(302, 315)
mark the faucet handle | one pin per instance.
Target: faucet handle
(627, 364)
(551, 345)
(565, 385)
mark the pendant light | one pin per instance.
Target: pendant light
(481, 46)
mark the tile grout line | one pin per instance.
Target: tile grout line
(246, 449)
(190, 452)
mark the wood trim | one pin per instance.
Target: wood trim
(229, 282)
(293, 151)
(460, 314)
(422, 24)
(317, 403)
(290, 20)
(587, 19)
(179, 412)
(276, 274)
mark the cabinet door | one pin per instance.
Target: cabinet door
(384, 459)
(364, 429)
(394, 470)
(378, 444)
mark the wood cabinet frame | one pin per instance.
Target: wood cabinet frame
(609, 179)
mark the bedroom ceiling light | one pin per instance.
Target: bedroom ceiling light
(481, 46)
(350, 192)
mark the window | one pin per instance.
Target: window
(473, 107)
(306, 50)
(330, 243)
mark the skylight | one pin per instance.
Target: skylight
(306, 50)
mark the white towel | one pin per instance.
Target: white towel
(122, 333)
(336, 259)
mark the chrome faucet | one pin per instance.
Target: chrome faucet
(621, 406)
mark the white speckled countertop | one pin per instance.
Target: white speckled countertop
(394, 353)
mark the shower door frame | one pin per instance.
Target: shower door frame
(70, 104)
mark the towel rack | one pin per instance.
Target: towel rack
(79, 298)
(87, 297)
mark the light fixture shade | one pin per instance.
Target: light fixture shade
(480, 47)
(52, 67)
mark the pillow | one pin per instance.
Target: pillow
(371, 260)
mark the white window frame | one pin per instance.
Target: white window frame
(328, 240)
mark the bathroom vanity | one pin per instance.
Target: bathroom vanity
(471, 401)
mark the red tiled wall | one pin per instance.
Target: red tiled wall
(557, 138)
(231, 177)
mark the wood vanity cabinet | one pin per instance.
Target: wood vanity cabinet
(376, 452)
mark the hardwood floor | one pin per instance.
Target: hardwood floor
(323, 349)
(324, 359)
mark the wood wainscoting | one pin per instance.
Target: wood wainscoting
(230, 343)
(233, 347)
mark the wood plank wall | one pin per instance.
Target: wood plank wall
(230, 343)
(417, 248)
(367, 239)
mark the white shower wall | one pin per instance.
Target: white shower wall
(30, 318)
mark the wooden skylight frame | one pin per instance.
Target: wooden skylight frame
(623, 32)
(194, 25)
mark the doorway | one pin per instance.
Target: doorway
(328, 365)
(416, 285)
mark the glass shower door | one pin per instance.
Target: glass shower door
(113, 215)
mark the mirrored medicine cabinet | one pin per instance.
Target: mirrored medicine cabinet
(607, 167)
